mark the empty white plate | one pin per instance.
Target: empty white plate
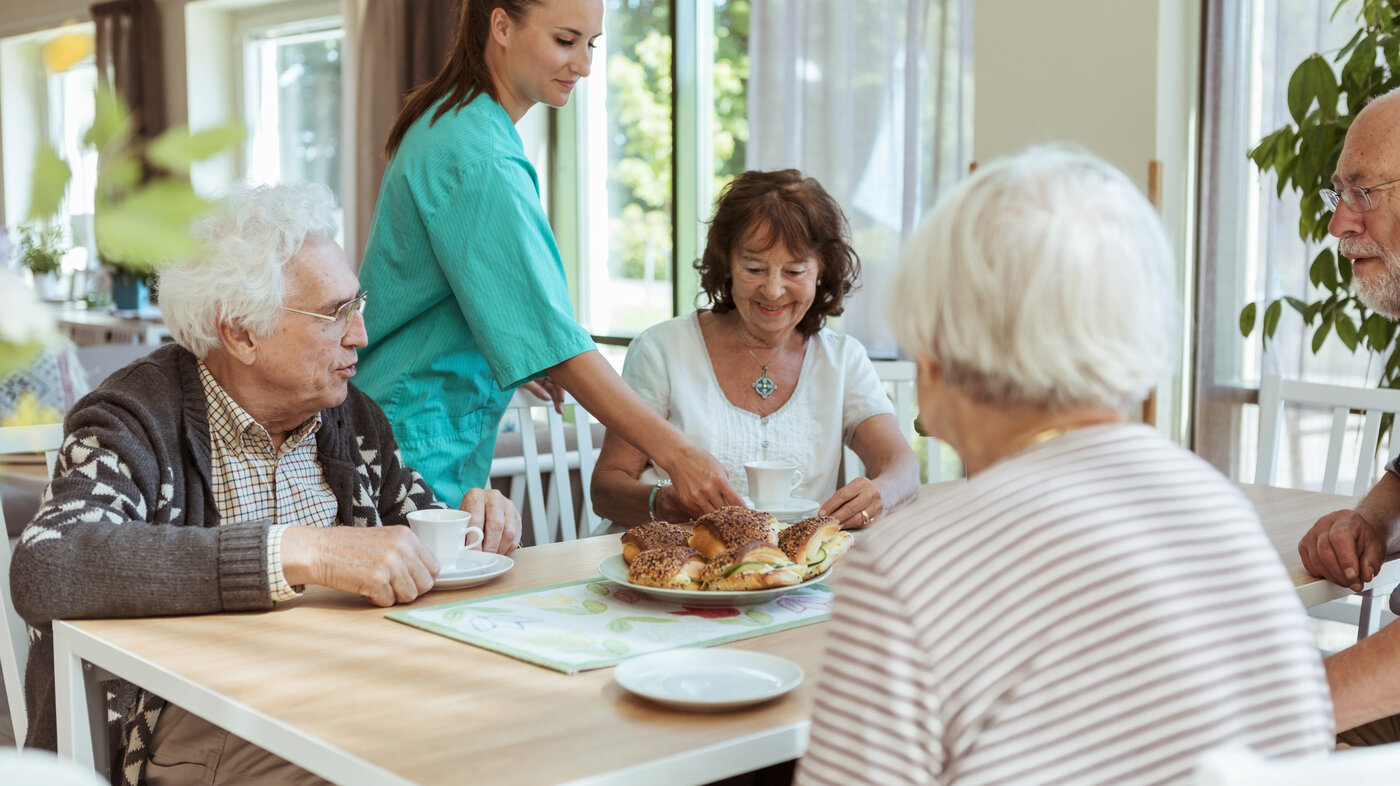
(708, 680)
(472, 568)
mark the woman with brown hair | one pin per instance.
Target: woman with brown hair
(757, 377)
(462, 255)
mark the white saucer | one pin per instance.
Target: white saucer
(472, 568)
(790, 510)
(708, 680)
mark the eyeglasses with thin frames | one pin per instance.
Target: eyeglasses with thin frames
(1357, 199)
(344, 314)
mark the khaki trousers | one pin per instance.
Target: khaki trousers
(187, 749)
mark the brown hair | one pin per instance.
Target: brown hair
(464, 76)
(788, 208)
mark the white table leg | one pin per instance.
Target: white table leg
(82, 706)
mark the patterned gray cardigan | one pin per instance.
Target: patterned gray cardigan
(127, 526)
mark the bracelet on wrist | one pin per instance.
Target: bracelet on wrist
(651, 500)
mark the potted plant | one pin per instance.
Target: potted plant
(41, 248)
(144, 202)
(1323, 101)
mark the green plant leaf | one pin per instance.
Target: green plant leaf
(1346, 331)
(1323, 84)
(1247, 316)
(1271, 316)
(51, 176)
(111, 123)
(177, 148)
(1374, 327)
(1300, 92)
(149, 227)
(1319, 268)
(1297, 304)
(121, 173)
(1362, 62)
(1344, 269)
(1320, 335)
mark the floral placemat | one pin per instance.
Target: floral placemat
(595, 623)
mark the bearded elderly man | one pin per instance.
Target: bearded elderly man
(225, 473)
(1348, 546)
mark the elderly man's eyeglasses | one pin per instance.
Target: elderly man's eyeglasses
(1358, 199)
(343, 316)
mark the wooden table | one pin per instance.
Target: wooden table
(328, 683)
(1288, 514)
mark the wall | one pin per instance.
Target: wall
(1117, 78)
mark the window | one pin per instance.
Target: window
(292, 101)
(643, 179)
(1250, 244)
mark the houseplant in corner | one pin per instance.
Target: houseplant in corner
(1322, 101)
(41, 250)
(144, 202)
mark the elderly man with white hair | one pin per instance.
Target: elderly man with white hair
(1095, 605)
(226, 472)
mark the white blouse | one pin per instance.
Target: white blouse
(669, 368)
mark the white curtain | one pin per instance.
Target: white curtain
(873, 98)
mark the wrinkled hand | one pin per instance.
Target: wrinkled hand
(850, 500)
(1344, 548)
(547, 389)
(700, 484)
(383, 565)
(497, 518)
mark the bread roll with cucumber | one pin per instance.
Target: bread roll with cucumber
(652, 535)
(755, 565)
(814, 544)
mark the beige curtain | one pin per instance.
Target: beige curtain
(402, 44)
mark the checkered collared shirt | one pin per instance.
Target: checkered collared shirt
(252, 482)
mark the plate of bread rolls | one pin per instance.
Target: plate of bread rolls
(733, 556)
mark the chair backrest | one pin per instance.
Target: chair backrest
(14, 637)
(898, 378)
(1242, 767)
(1275, 392)
(550, 511)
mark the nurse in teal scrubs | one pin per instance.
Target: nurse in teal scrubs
(460, 256)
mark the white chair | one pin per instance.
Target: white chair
(898, 378)
(1274, 393)
(14, 637)
(550, 512)
(1241, 767)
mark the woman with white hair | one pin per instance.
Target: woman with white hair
(1151, 618)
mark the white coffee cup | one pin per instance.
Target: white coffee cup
(445, 532)
(771, 481)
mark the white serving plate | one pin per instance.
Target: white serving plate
(614, 569)
(472, 568)
(708, 680)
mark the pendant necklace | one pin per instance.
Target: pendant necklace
(764, 386)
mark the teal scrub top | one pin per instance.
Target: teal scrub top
(468, 297)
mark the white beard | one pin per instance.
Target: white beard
(1380, 291)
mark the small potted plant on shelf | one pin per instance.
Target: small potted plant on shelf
(41, 249)
(144, 202)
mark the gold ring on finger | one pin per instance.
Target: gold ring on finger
(867, 517)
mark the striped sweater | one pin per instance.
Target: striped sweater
(1098, 609)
